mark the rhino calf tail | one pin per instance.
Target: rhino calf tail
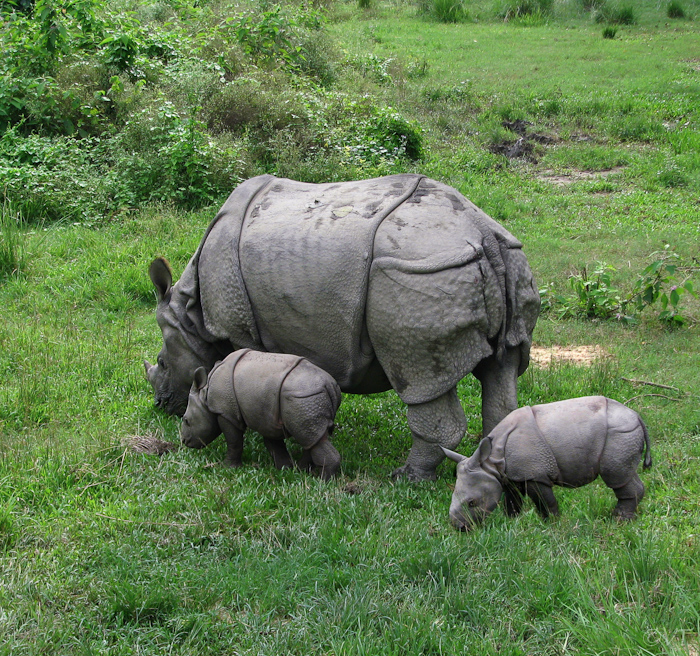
(647, 455)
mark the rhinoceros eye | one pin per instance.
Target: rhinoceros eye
(161, 362)
(472, 503)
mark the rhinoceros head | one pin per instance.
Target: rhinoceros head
(477, 492)
(183, 352)
(200, 426)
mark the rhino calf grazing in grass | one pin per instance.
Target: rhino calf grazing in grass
(567, 443)
(275, 394)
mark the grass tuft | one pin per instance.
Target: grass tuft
(675, 10)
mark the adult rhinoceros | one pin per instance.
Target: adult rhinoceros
(397, 282)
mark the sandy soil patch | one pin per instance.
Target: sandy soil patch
(584, 356)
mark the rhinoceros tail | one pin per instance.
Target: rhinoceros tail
(647, 443)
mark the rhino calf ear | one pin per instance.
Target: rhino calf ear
(484, 449)
(161, 276)
(453, 455)
(200, 378)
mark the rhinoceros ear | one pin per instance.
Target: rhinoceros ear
(453, 455)
(200, 378)
(161, 276)
(484, 450)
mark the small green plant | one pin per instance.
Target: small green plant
(659, 282)
(364, 4)
(675, 10)
(609, 32)
(597, 298)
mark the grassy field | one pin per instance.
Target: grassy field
(107, 550)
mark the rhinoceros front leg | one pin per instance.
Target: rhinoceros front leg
(499, 387)
(440, 422)
(234, 443)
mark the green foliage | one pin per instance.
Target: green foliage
(596, 297)
(269, 37)
(364, 4)
(675, 10)
(609, 32)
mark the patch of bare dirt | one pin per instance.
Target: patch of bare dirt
(524, 146)
(149, 444)
(565, 179)
(583, 356)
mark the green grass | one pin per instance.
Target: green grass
(106, 550)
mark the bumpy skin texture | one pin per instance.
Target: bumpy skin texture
(275, 394)
(568, 443)
(398, 282)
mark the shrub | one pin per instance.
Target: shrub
(675, 10)
(609, 32)
(364, 4)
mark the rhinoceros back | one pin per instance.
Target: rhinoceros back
(305, 255)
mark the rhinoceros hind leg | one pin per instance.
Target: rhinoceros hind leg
(279, 453)
(440, 422)
(628, 498)
(499, 387)
(543, 498)
(325, 458)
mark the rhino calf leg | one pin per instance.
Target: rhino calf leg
(324, 457)
(234, 443)
(628, 498)
(543, 498)
(440, 422)
(512, 500)
(279, 453)
(499, 387)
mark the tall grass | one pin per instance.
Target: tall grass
(12, 250)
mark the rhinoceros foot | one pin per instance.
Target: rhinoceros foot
(413, 474)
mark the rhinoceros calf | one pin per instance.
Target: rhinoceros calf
(277, 395)
(567, 443)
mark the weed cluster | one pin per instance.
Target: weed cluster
(595, 297)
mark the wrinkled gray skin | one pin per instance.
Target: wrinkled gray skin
(275, 394)
(398, 282)
(568, 443)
